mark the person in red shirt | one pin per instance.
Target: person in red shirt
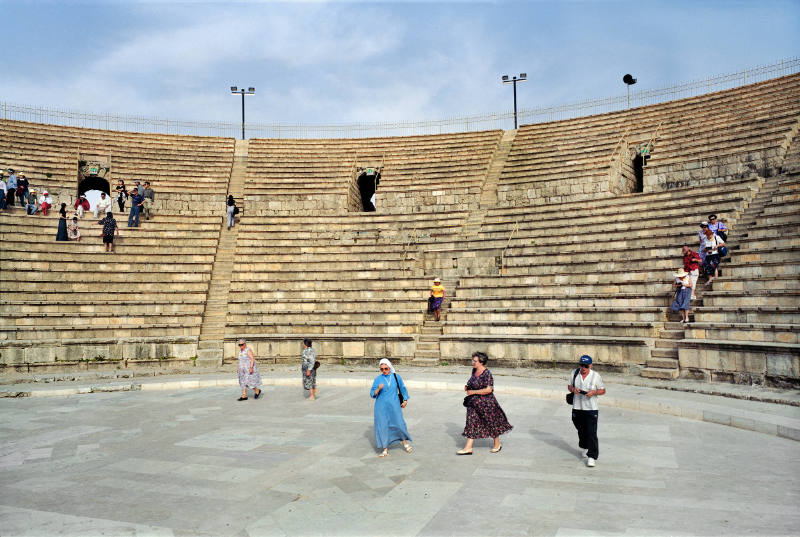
(691, 264)
(81, 205)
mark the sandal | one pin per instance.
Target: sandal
(408, 448)
(384, 453)
(242, 399)
(258, 394)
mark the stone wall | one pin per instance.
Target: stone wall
(328, 347)
(708, 171)
(427, 200)
(289, 204)
(626, 355)
(95, 353)
(583, 188)
(741, 362)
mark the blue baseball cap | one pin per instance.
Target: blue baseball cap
(585, 360)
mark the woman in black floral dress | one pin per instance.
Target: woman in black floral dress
(485, 418)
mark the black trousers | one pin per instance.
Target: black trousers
(585, 422)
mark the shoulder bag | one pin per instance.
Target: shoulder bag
(399, 395)
(570, 395)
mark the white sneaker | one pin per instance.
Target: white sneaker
(590, 463)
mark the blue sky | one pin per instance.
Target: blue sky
(339, 62)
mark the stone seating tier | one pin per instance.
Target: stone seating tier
(737, 133)
(747, 315)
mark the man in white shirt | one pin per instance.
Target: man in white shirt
(103, 205)
(586, 385)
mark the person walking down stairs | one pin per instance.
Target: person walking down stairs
(436, 298)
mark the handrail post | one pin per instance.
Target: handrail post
(503, 253)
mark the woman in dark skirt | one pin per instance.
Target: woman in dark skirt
(485, 418)
(682, 286)
(62, 224)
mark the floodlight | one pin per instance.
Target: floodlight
(629, 80)
(234, 89)
(505, 78)
(251, 90)
(523, 75)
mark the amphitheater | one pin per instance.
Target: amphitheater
(549, 239)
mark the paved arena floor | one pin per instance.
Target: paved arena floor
(197, 462)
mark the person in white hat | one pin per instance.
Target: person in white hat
(30, 203)
(436, 298)
(682, 285)
(81, 205)
(45, 202)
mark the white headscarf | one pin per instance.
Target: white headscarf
(387, 362)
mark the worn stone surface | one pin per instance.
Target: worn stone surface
(197, 462)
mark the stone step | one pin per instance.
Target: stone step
(209, 344)
(666, 343)
(661, 352)
(662, 363)
(671, 334)
(660, 373)
(428, 346)
(425, 360)
(209, 357)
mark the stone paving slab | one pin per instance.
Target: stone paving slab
(191, 460)
(760, 409)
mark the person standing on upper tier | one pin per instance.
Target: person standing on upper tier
(136, 207)
(11, 188)
(3, 191)
(22, 189)
(149, 198)
(587, 385)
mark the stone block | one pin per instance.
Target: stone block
(353, 349)
(184, 350)
(691, 358)
(12, 355)
(375, 349)
(783, 365)
(40, 354)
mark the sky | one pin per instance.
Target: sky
(326, 63)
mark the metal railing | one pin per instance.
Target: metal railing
(503, 253)
(496, 120)
(411, 240)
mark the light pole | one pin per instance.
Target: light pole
(629, 81)
(243, 92)
(522, 78)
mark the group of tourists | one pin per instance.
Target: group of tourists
(141, 197)
(484, 416)
(712, 236)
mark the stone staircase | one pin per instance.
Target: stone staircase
(212, 332)
(663, 361)
(756, 207)
(489, 189)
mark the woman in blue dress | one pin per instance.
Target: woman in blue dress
(390, 427)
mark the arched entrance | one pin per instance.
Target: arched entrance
(92, 187)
